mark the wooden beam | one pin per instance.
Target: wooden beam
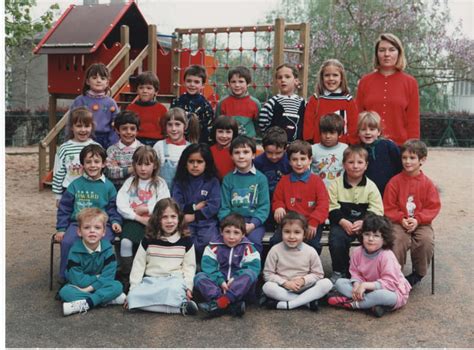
(121, 55)
(152, 48)
(257, 28)
(52, 110)
(304, 58)
(278, 46)
(175, 62)
(124, 41)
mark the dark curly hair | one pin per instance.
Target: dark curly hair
(153, 230)
(182, 173)
(374, 223)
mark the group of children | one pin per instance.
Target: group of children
(180, 206)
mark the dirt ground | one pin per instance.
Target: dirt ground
(33, 317)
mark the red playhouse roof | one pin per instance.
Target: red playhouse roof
(82, 29)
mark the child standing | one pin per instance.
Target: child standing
(293, 272)
(67, 166)
(91, 190)
(103, 107)
(327, 155)
(230, 268)
(332, 96)
(384, 155)
(164, 266)
(286, 109)
(412, 202)
(135, 202)
(245, 190)
(169, 150)
(351, 196)
(193, 102)
(225, 130)
(198, 192)
(303, 192)
(118, 166)
(377, 282)
(91, 267)
(239, 104)
(149, 111)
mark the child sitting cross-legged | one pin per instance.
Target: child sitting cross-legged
(91, 267)
(376, 282)
(230, 268)
(293, 271)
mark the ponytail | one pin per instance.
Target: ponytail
(193, 128)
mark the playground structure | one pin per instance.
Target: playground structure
(119, 36)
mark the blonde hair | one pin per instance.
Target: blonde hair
(395, 41)
(355, 150)
(88, 214)
(190, 121)
(370, 119)
(336, 63)
(145, 154)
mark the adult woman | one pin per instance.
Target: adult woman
(391, 92)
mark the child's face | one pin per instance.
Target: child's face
(355, 166)
(331, 78)
(193, 84)
(372, 241)
(169, 221)
(144, 170)
(329, 138)
(175, 130)
(146, 92)
(411, 163)
(300, 162)
(238, 85)
(242, 158)
(274, 153)
(232, 236)
(224, 137)
(292, 234)
(93, 166)
(286, 81)
(98, 83)
(81, 132)
(127, 133)
(196, 164)
(368, 134)
(92, 231)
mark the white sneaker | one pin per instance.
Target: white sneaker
(119, 300)
(74, 307)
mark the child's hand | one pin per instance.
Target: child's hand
(311, 232)
(358, 291)
(142, 219)
(249, 228)
(189, 294)
(200, 205)
(404, 224)
(141, 209)
(224, 287)
(59, 236)
(125, 304)
(357, 226)
(88, 289)
(412, 224)
(189, 218)
(279, 214)
(57, 203)
(346, 226)
(292, 285)
(130, 170)
(116, 228)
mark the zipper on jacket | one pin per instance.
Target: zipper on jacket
(230, 263)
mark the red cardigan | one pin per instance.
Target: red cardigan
(150, 117)
(395, 98)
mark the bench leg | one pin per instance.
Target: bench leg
(51, 264)
(433, 274)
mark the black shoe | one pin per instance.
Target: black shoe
(189, 308)
(211, 309)
(413, 278)
(270, 303)
(314, 306)
(237, 309)
(379, 310)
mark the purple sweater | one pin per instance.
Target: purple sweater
(103, 108)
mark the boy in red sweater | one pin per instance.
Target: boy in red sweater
(411, 201)
(149, 111)
(303, 192)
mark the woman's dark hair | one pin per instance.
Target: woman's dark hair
(153, 229)
(226, 123)
(182, 173)
(374, 223)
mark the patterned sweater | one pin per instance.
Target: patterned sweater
(119, 159)
(104, 110)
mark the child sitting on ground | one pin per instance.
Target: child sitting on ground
(224, 130)
(91, 190)
(412, 202)
(384, 155)
(245, 191)
(192, 101)
(230, 268)
(118, 166)
(67, 166)
(303, 192)
(149, 111)
(327, 155)
(91, 267)
(351, 196)
(164, 266)
(293, 272)
(239, 104)
(376, 282)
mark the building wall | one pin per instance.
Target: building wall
(462, 99)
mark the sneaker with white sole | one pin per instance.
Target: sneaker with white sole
(74, 307)
(120, 300)
(189, 308)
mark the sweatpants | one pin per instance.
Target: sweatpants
(239, 288)
(376, 297)
(420, 243)
(314, 242)
(339, 246)
(315, 292)
(108, 292)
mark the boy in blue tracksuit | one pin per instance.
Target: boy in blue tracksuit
(230, 268)
(91, 267)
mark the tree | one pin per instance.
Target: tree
(20, 32)
(347, 30)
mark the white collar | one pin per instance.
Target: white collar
(90, 251)
(327, 93)
(101, 178)
(252, 170)
(173, 238)
(134, 144)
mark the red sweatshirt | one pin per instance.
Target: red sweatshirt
(222, 160)
(150, 116)
(423, 194)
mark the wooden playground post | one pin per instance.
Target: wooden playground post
(304, 39)
(124, 40)
(278, 47)
(52, 122)
(175, 62)
(152, 47)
